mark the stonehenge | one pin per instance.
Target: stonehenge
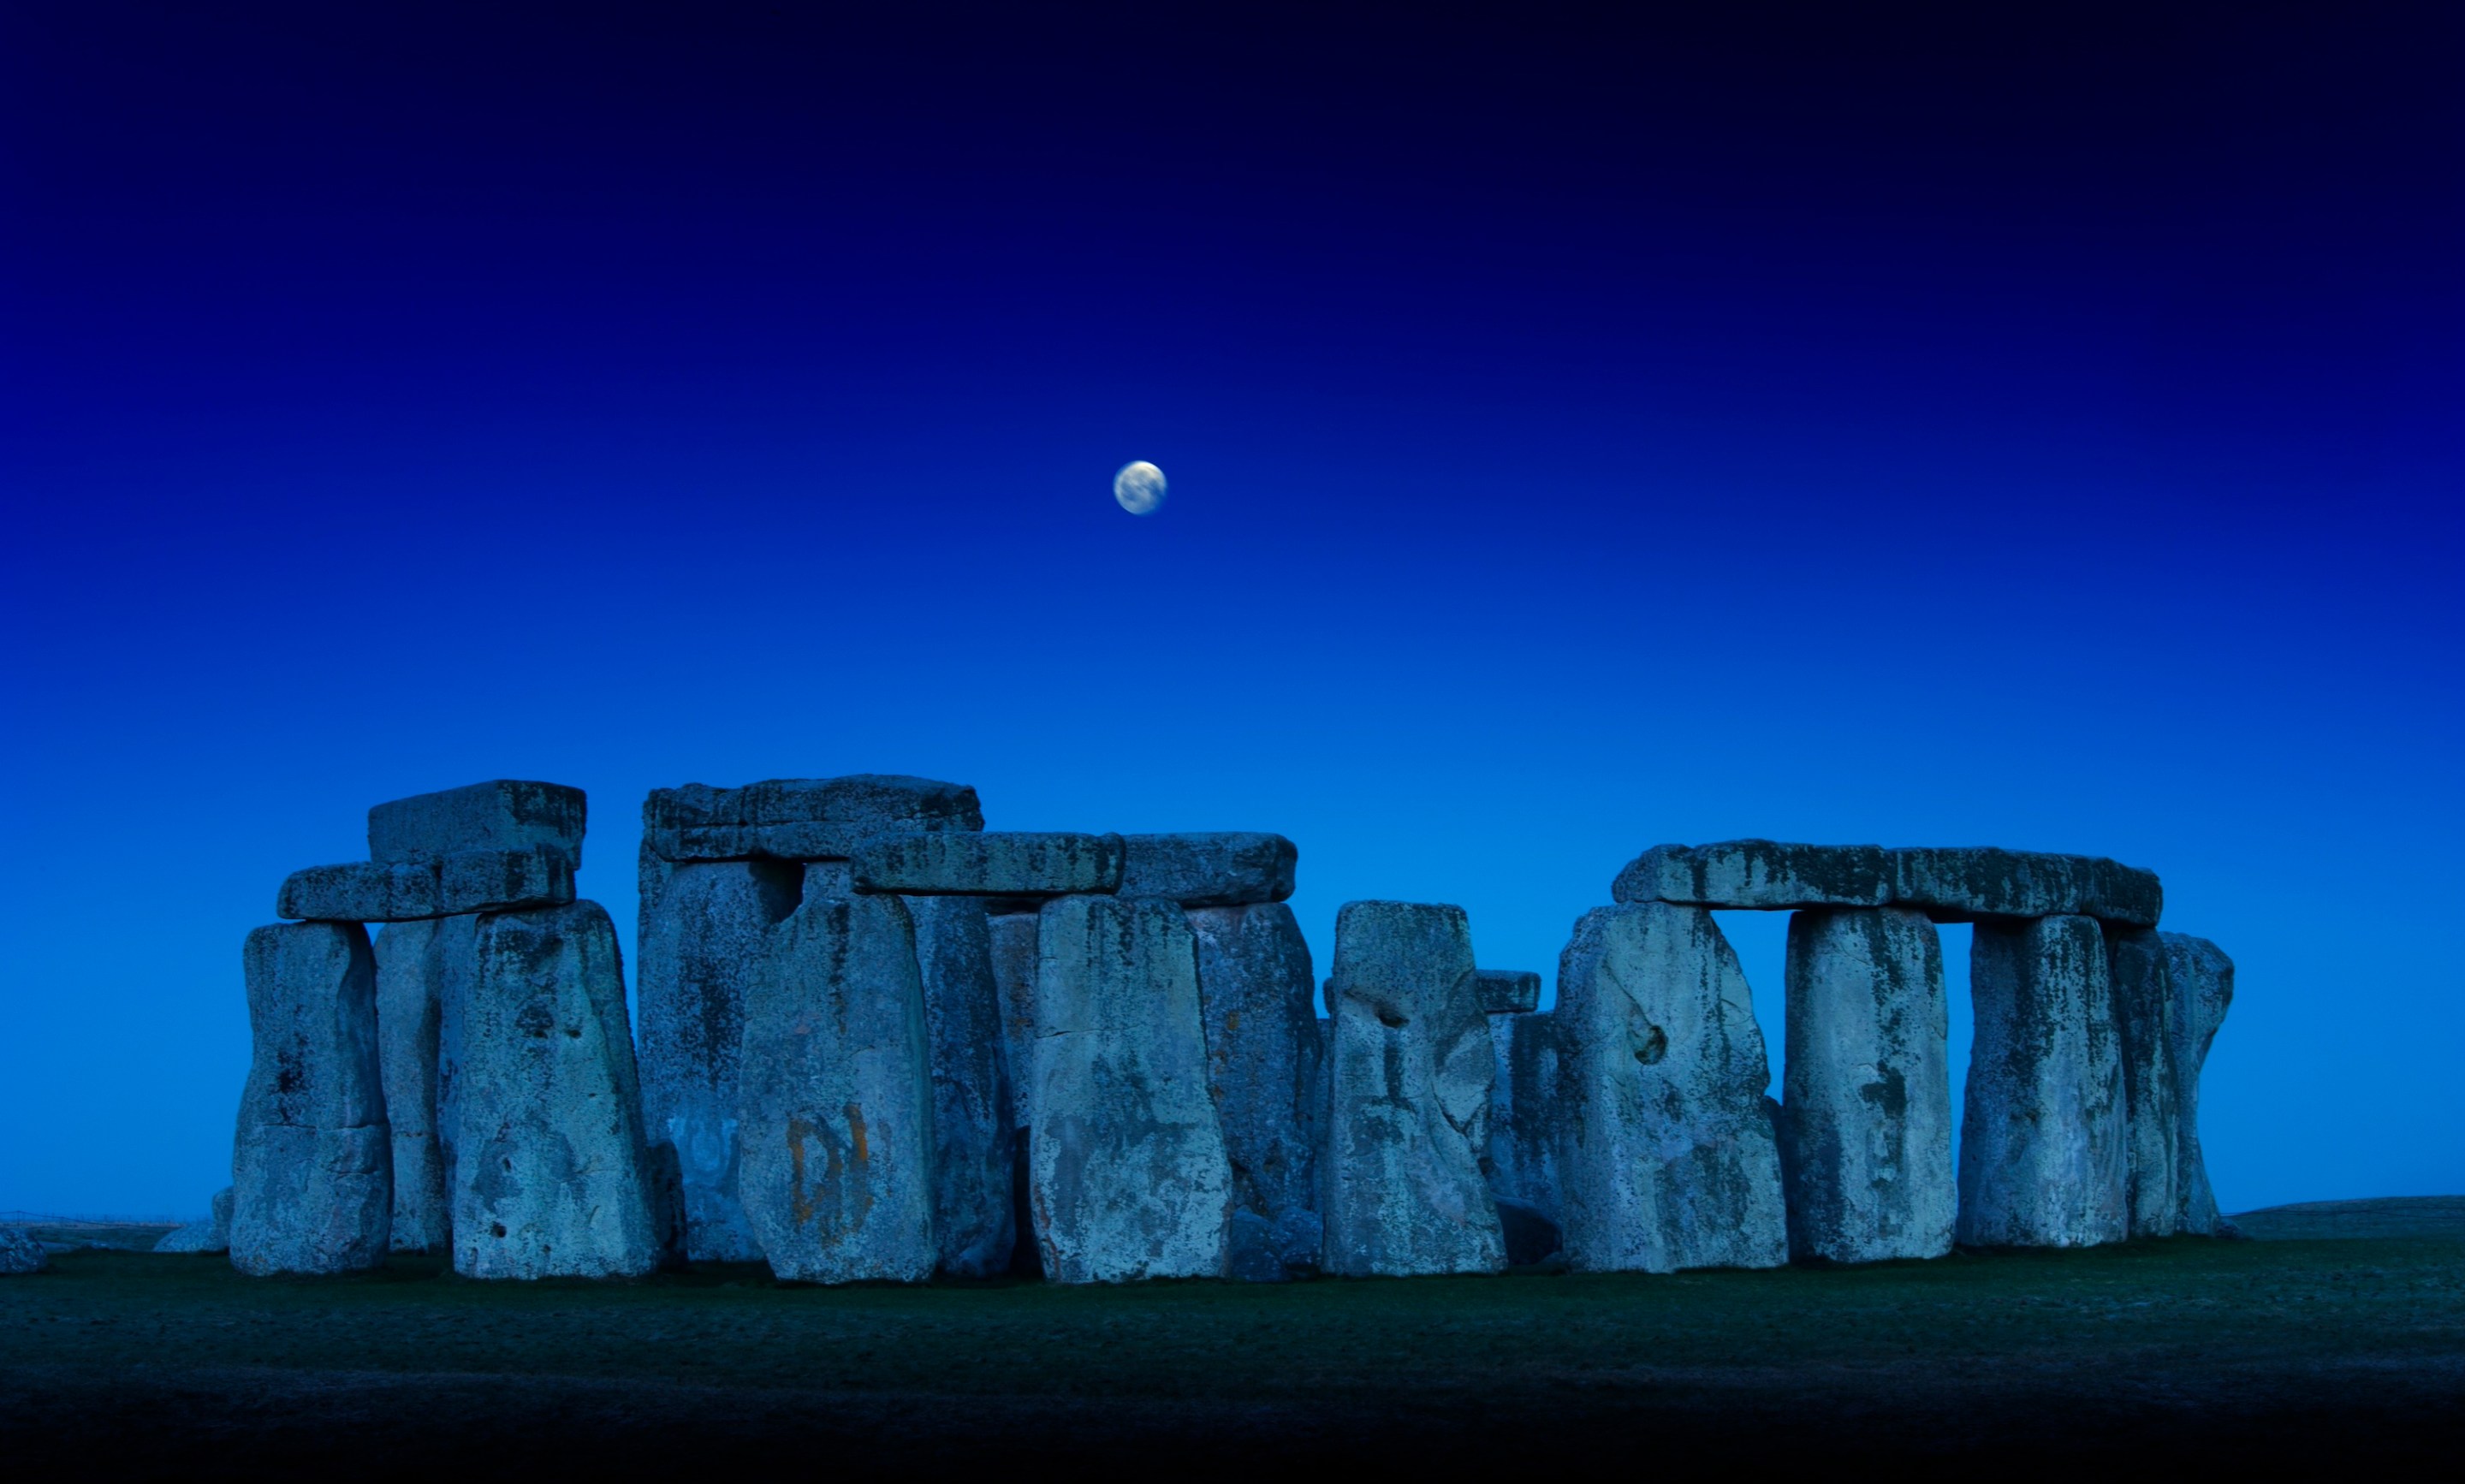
(877, 1042)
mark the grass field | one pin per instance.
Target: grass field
(2275, 1351)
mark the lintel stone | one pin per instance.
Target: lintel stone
(1507, 991)
(502, 814)
(1222, 869)
(1007, 863)
(1763, 874)
(800, 818)
(440, 886)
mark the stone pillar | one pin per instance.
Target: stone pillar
(1266, 1076)
(1666, 1155)
(973, 1147)
(550, 1175)
(1522, 1162)
(834, 1130)
(312, 1163)
(1868, 1116)
(2203, 981)
(2144, 1026)
(421, 967)
(2041, 1138)
(1014, 962)
(1409, 1107)
(1126, 1169)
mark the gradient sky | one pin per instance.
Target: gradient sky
(1933, 429)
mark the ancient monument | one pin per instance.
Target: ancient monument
(879, 1042)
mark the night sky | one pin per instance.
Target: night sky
(1907, 428)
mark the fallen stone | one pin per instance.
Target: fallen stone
(2144, 1027)
(1965, 884)
(550, 1175)
(1508, 991)
(1764, 875)
(1014, 956)
(1127, 1170)
(1266, 1078)
(1867, 1135)
(418, 964)
(1521, 1161)
(2041, 1135)
(437, 887)
(991, 864)
(2203, 981)
(20, 1253)
(799, 818)
(1221, 870)
(312, 1186)
(209, 1235)
(974, 1145)
(1408, 1102)
(1666, 1155)
(834, 1108)
(503, 815)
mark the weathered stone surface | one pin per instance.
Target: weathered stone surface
(1666, 1155)
(1767, 875)
(418, 964)
(436, 887)
(1227, 869)
(1127, 1170)
(834, 1108)
(502, 814)
(1964, 884)
(1508, 991)
(1408, 1104)
(1522, 1160)
(2143, 1027)
(973, 1142)
(1867, 1135)
(20, 1253)
(312, 1161)
(2041, 1133)
(990, 864)
(550, 1177)
(2202, 981)
(209, 1235)
(1268, 1079)
(706, 928)
(452, 962)
(1015, 968)
(799, 818)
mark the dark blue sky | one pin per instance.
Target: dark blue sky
(1911, 427)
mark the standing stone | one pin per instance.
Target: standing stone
(2143, 1024)
(550, 1177)
(312, 1167)
(706, 929)
(1127, 1174)
(1522, 1160)
(1867, 1134)
(418, 965)
(20, 1253)
(1266, 1079)
(1015, 967)
(835, 1109)
(2041, 1136)
(1666, 1155)
(973, 1143)
(1409, 1106)
(2202, 981)
(209, 1235)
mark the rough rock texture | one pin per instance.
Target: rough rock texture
(1015, 967)
(550, 1176)
(2203, 979)
(1962, 884)
(1760, 873)
(1867, 1135)
(834, 1132)
(438, 886)
(1523, 1161)
(1407, 1114)
(2144, 1026)
(1268, 1078)
(973, 1140)
(998, 864)
(418, 965)
(1508, 991)
(451, 960)
(209, 1235)
(1666, 1155)
(1227, 868)
(2041, 1135)
(20, 1253)
(312, 1161)
(1127, 1175)
(705, 931)
(502, 814)
(799, 818)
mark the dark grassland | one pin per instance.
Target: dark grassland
(2284, 1352)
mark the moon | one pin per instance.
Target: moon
(1138, 487)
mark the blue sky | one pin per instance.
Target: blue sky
(1950, 431)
